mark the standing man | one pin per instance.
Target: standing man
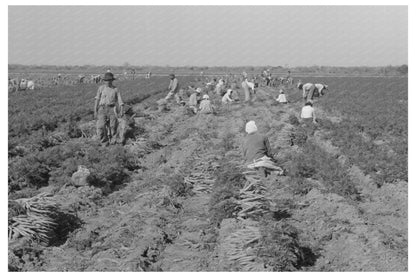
(105, 110)
(173, 88)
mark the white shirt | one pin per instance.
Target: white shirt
(281, 98)
(307, 112)
(226, 98)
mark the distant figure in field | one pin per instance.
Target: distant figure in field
(321, 88)
(226, 99)
(81, 79)
(308, 91)
(249, 90)
(257, 151)
(30, 85)
(219, 86)
(193, 100)
(173, 89)
(282, 97)
(206, 107)
(105, 110)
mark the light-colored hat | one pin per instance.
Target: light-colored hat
(229, 90)
(199, 90)
(251, 127)
(205, 96)
(281, 90)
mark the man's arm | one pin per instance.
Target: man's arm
(97, 101)
(120, 103)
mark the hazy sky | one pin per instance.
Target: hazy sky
(209, 35)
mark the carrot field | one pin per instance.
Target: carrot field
(177, 196)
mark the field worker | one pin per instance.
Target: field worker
(307, 115)
(308, 91)
(299, 85)
(193, 100)
(282, 97)
(206, 107)
(256, 150)
(23, 84)
(320, 88)
(268, 78)
(219, 86)
(226, 99)
(105, 110)
(173, 88)
(246, 90)
(31, 85)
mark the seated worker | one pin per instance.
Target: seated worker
(282, 97)
(206, 107)
(193, 100)
(226, 99)
(257, 152)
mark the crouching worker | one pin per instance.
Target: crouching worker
(193, 100)
(126, 124)
(307, 115)
(226, 99)
(282, 98)
(308, 118)
(257, 151)
(206, 107)
(105, 110)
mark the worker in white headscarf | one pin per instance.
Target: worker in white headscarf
(257, 151)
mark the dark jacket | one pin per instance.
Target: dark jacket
(256, 146)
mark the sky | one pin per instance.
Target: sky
(208, 35)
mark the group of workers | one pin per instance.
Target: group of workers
(109, 107)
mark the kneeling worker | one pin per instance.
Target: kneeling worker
(257, 151)
(206, 107)
(282, 97)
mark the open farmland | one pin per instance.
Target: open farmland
(176, 196)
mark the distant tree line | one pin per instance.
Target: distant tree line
(336, 70)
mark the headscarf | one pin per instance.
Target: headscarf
(251, 127)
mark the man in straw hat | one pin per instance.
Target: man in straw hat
(105, 110)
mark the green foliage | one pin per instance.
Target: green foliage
(225, 191)
(293, 120)
(314, 162)
(109, 166)
(279, 247)
(372, 110)
(177, 186)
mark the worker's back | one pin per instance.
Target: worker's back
(255, 147)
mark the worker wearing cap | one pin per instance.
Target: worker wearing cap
(206, 106)
(193, 100)
(257, 151)
(105, 110)
(173, 88)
